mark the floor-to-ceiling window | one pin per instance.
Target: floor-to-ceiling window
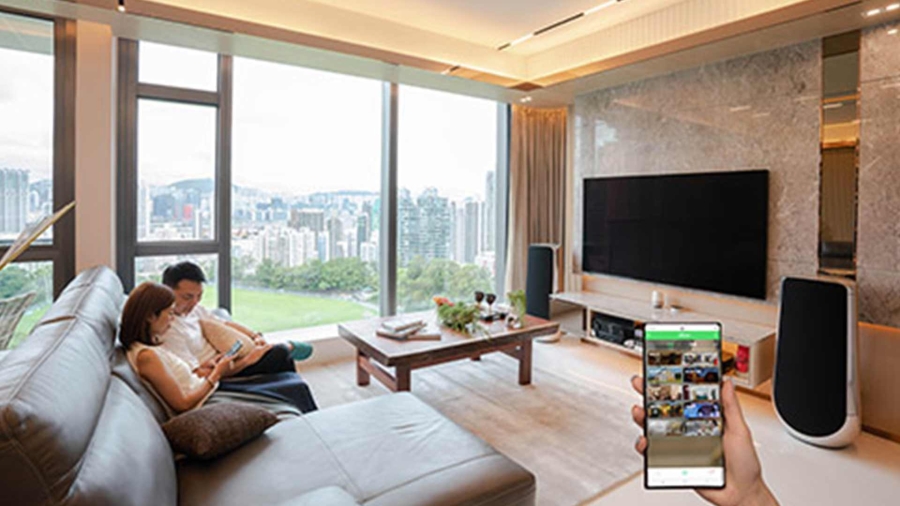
(35, 156)
(172, 161)
(448, 197)
(274, 180)
(306, 165)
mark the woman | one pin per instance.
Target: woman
(146, 316)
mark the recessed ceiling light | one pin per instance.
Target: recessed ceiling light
(121, 7)
(892, 7)
(740, 108)
(525, 99)
(873, 12)
(892, 31)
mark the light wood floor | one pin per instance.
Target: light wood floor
(571, 432)
(867, 472)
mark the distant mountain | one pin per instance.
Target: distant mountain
(199, 185)
(206, 185)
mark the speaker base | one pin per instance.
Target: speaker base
(555, 338)
(843, 437)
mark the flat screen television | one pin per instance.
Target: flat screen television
(705, 231)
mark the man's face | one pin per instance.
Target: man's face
(187, 295)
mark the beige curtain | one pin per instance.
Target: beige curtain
(537, 179)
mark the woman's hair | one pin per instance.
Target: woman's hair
(148, 299)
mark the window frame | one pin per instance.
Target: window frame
(128, 247)
(131, 91)
(61, 252)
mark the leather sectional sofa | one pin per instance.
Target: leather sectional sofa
(77, 427)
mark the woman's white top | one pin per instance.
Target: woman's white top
(178, 369)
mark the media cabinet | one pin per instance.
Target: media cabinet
(758, 341)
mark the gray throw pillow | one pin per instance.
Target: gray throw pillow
(215, 430)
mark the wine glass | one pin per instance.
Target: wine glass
(490, 300)
(479, 296)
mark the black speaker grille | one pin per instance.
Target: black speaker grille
(537, 284)
(811, 366)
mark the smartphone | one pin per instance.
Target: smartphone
(682, 399)
(234, 349)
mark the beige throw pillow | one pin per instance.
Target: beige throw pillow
(222, 337)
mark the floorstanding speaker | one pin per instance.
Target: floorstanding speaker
(816, 382)
(542, 277)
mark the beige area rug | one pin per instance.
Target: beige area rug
(576, 438)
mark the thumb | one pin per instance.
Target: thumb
(734, 417)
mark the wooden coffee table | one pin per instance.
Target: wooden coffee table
(375, 354)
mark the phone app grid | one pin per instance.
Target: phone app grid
(683, 389)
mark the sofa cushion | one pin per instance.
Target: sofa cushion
(70, 433)
(387, 450)
(215, 430)
(332, 496)
(95, 297)
(122, 369)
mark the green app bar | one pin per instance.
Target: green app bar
(682, 335)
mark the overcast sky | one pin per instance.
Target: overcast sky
(295, 130)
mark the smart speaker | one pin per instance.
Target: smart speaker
(541, 278)
(816, 382)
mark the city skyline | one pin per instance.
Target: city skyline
(324, 225)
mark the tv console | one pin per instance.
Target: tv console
(753, 345)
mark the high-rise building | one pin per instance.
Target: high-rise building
(472, 214)
(489, 224)
(13, 200)
(335, 236)
(408, 227)
(363, 230)
(458, 232)
(434, 226)
(313, 219)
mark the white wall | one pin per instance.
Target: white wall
(95, 146)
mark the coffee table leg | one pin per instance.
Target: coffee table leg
(362, 375)
(525, 362)
(404, 378)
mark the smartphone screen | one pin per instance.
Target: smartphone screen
(682, 387)
(236, 347)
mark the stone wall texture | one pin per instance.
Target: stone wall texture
(755, 112)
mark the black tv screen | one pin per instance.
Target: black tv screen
(705, 231)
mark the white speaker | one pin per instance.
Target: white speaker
(816, 381)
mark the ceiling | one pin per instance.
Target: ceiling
(493, 23)
(452, 45)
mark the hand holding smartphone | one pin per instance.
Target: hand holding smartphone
(682, 401)
(234, 349)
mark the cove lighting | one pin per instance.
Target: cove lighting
(600, 7)
(892, 7)
(562, 22)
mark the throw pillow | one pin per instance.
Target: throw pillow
(222, 337)
(215, 430)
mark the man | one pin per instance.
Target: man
(185, 336)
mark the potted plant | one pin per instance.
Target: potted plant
(460, 317)
(516, 319)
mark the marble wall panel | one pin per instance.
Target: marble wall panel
(758, 111)
(878, 234)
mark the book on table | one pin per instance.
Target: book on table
(421, 332)
(402, 324)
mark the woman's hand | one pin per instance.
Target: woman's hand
(743, 475)
(222, 367)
